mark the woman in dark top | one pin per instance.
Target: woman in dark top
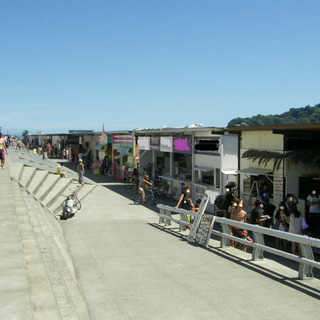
(185, 201)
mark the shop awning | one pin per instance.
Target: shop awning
(124, 150)
(99, 147)
(202, 168)
(255, 171)
(229, 171)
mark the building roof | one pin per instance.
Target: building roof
(184, 130)
(278, 128)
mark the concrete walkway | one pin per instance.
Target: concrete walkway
(128, 267)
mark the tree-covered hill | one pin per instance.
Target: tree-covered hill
(294, 115)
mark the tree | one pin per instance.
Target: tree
(25, 135)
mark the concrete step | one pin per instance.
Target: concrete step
(46, 186)
(27, 175)
(15, 169)
(60, 188)
(62, 286)
(37, 180)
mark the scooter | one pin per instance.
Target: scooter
(70, 206)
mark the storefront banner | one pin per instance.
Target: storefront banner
(155, 143)
(144, 143)
(166, 144)
(182, 144)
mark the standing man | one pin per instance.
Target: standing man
(3, 148)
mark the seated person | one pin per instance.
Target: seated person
(60, 171)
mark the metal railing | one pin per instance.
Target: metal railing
(306, 260)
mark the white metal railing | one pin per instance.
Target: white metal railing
(306, 261)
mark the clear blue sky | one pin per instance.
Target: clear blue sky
(77, 64)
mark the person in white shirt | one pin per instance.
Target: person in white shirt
(313, 201)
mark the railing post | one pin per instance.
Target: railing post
(168, 220)
(256, 252)
(224, 241)
(305, 271)
(183, 217)
(162, 211)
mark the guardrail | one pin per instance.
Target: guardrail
(306, 261)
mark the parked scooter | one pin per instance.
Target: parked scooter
(70, 206)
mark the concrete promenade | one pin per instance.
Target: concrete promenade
(126, 266)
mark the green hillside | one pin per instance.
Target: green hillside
(294, 115)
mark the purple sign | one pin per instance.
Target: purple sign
(155, 143)
(182, 144)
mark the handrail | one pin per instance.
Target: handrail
(306, 261)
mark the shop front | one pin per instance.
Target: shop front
(204, 159)
(122, 156)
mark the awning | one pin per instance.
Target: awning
(202, 168)
(124, 150)
(255, 171)
(99, 147)
(229, 171)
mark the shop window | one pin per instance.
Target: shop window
(204, 177)
(307, 184)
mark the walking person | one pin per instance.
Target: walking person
(3, 149)
(81, 172)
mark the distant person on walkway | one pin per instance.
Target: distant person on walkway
(81, 172)
(3, 149)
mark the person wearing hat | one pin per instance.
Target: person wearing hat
(313, 201)
(3, 149)
(80, 170)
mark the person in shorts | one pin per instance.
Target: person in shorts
(144, 185)
(3, 149)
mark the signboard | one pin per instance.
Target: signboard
(96, 167)
(278, 184)
(144, 143)
(166, 144)
(182, 144)
(197, 220)
(204, 231)
(155, 143)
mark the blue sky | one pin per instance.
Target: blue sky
(149, 63)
